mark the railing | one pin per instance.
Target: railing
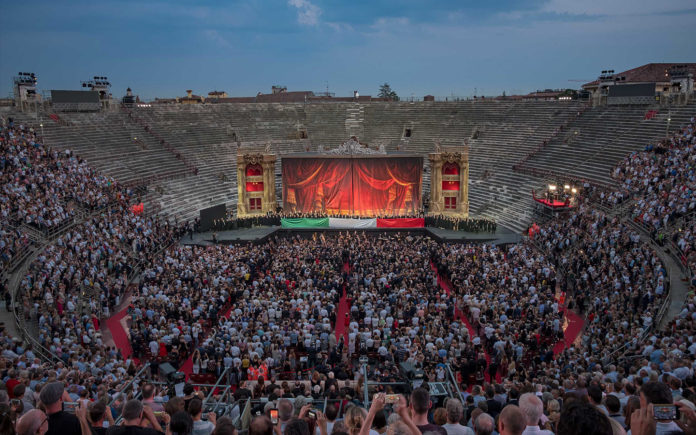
(546, 173)
(144, 181)
(124, 390)
(555, 134)
(37, 347)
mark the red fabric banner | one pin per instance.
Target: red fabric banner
(254, 186)
(401, 223)
(137, 209)
(352, 186)
(450, 185)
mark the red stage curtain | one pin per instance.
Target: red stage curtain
(254, 170)
(254, 186)
(386, 185)
(317, 184)
(450, 185)
(401, 223)
(362, 186)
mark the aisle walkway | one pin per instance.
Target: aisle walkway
(187, 366)
(446, 285)
(117, 327)
(572, 328)
(341, 329)
(571, 331)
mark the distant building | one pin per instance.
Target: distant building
(546, 95)
(279, 94)
(190, 98)
(669, 80)
(216, 94)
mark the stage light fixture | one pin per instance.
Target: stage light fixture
(566, 187)
(552, 187)
(574, 190)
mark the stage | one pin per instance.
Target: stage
(352, 180)
(502, 236)
(553, 203)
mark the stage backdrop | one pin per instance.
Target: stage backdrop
(363, 186)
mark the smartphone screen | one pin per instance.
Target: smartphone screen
(391, 398)
(312, 414)
(274, 416)
(665, 412)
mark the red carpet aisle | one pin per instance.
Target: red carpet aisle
(571, 332)
(447, 286)
(343, 309)
(116, 326)
(187, 366)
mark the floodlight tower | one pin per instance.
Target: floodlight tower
(25, 90)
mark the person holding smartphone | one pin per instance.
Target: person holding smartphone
(664, 412)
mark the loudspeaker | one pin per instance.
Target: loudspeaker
(165, 370)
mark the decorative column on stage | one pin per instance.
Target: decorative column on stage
(255, 184)
(449, 182)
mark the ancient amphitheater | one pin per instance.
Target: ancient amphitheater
(581, 142)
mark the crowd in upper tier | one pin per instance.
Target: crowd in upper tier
(289, 320)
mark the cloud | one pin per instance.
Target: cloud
(339, 27)
(391, 24)
(215, 37)
(616, 7)
(307, 12)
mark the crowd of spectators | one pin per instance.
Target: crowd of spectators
(470, 225)
(267, 314)
(79, 277)
(38, 182)
(661, 178)
(232, 222)
(476, 225)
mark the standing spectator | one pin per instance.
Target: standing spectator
(59, 421)
(580, 418)
(134, 416)
(420, 405)
(455, 412)
(200, 426)
(97, 411)
(484, 424)
(532, 408)
(511, 421)
(658, 392)
(19, 395)
(34, 422)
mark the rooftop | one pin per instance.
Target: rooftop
(651, 72)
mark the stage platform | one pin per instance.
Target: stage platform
(502, 236)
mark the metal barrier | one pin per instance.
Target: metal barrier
(130, 384)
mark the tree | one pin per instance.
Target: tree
(385, 91)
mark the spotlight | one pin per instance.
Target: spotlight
(574, 190)
(566, 187)
(552, 187)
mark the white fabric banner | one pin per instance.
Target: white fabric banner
(343, 223)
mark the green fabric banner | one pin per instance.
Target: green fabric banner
(305, 223)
